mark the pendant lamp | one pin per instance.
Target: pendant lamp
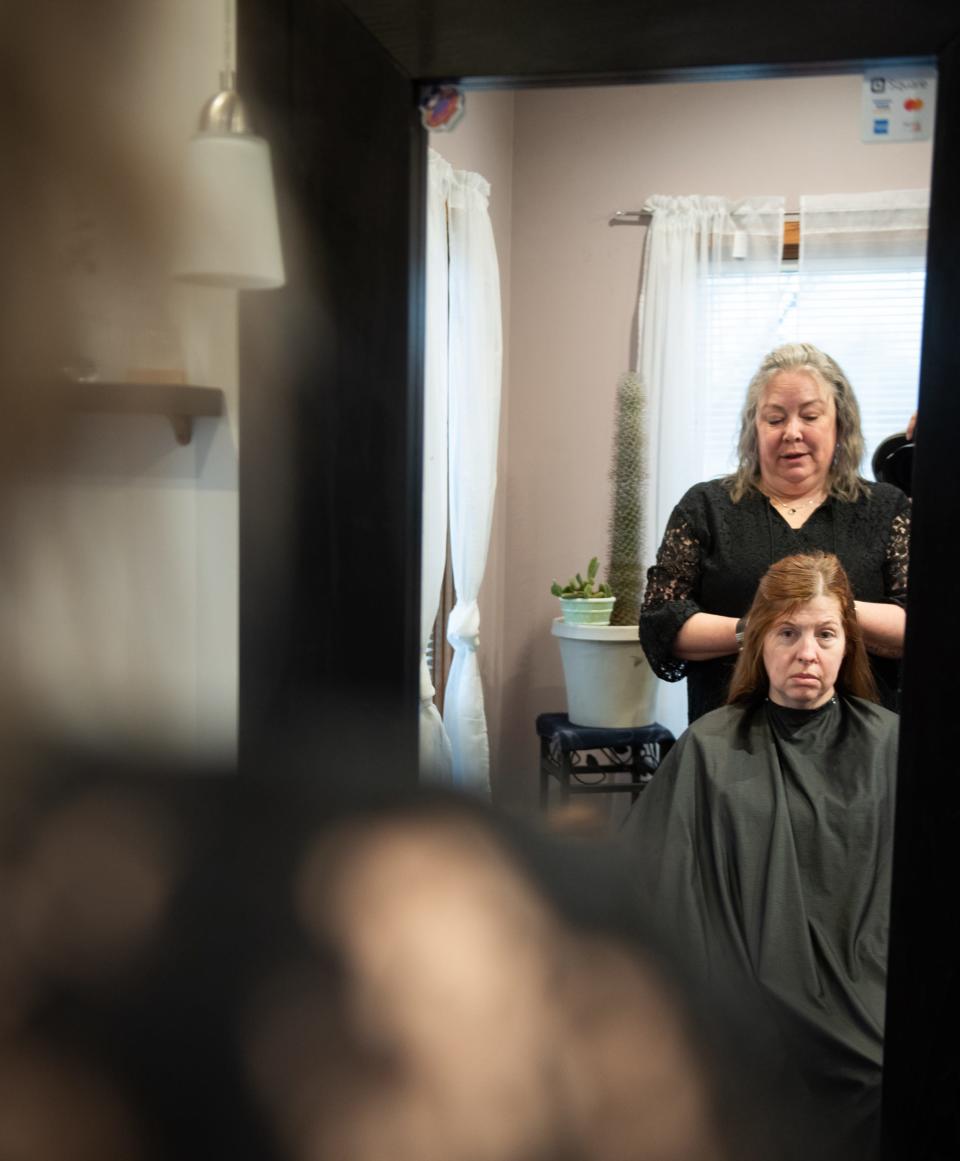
(230, 235)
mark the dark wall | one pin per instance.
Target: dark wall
(330, 397)
(922, 1070)
(582, 39)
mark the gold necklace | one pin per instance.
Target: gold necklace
(793, 509)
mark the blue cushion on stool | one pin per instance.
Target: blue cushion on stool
(568, 737)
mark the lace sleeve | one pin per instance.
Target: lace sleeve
(897, 559)
(667, 601)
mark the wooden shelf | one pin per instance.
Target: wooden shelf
(181, 403)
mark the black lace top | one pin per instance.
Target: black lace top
(714, 553)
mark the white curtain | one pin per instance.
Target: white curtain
(698, 250)
(862, 270)
(475, 356)
(436, 762)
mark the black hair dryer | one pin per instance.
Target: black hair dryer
(893, 462)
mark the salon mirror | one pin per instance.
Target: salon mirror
(560, 161)
(339, 501)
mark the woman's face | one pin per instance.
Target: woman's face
(803, 653)
(796, 433)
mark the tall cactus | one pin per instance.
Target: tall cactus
(628, 471)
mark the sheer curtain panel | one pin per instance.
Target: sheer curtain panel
(697, 250)
(474, 364)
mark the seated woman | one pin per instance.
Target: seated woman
(764, 839)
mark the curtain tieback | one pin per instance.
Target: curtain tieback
(463, 627)
(426, 685)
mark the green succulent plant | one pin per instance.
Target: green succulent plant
(583, 588)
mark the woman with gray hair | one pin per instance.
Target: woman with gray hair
(797, 489)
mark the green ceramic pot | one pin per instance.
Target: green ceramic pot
(587, 610)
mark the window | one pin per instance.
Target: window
(865, 313)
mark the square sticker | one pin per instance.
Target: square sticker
(898, 104)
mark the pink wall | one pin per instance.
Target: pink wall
(577, 155)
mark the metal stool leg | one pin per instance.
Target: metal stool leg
(637, 770)
(544, 774)
(566, 769)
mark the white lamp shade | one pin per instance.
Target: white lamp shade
(230, 236)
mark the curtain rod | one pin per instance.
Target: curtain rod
(642, 217)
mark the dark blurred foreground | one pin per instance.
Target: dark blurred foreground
(195, 965)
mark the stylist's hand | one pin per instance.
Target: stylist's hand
(912, 426)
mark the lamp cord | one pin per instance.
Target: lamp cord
(229, 37)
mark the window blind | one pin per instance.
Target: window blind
(866, 314)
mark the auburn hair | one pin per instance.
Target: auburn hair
(784, 587)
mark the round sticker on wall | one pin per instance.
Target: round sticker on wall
(441, 107)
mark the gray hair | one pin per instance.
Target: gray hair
(843, 479)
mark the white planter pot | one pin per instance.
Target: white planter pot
(609, 680)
